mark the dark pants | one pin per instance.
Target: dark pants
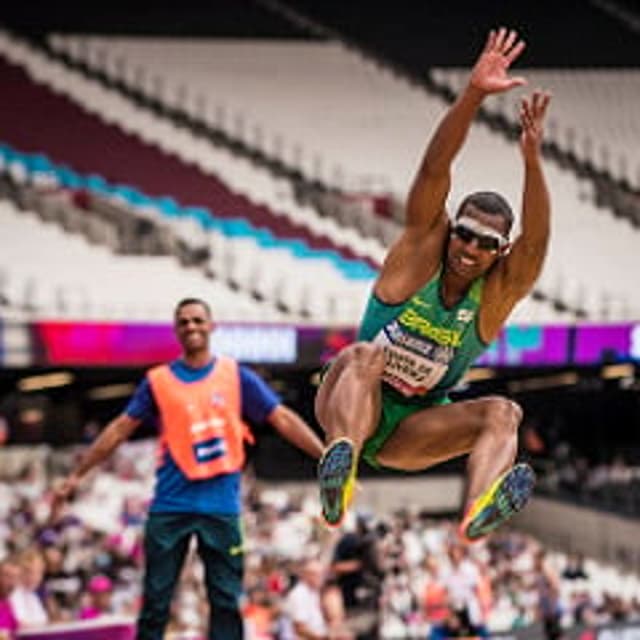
(166, 542)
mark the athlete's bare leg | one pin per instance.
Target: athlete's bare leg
(348, 407)
(485, 428)
(348, 402)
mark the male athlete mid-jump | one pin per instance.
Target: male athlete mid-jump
(445, 290)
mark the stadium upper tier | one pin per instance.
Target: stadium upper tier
(51, 286)
(370, 127)
(594, 114)
(117, 153)
(299, 253)
(56, 274)
(420, 35)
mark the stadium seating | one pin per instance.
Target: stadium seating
(345, 279)
(190, 174)
(236, 251)
(40, 264)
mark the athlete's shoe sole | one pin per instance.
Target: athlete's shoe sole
(336, 479)
(504, 498)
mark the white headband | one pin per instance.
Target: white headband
(482, 229)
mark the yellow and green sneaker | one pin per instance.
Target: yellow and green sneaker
(336, 478)
(503, 499)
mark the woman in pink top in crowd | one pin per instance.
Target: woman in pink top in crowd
(9, 576)
(100, 591)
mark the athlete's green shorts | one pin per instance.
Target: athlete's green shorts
(395, 409)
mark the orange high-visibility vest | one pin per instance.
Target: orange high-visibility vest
(202, 422)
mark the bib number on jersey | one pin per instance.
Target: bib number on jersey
(407, 371)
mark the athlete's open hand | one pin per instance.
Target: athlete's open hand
(490, 73)
(532, 114)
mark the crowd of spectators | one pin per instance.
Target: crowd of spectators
(611, 483)
(400, 575)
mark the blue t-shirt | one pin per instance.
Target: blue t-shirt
(174, 492)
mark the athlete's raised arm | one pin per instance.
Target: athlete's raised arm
(520, 269)
(418, 250)
(489, 75)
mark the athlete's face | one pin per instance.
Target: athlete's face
(193, 325)
(471, 252)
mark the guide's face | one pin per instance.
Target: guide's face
(193, 325)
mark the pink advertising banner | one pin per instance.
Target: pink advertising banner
(106, 629)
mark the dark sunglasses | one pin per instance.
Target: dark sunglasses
(484, 242)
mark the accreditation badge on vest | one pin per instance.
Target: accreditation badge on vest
(208, 435)
(413, 364)
(208, 439)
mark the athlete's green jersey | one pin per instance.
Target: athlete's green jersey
(429, 346)
(428, 349)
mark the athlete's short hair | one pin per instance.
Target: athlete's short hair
(186, 301)
(489, 202)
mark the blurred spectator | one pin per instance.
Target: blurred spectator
(189, 611)
(532, 441)
(619, 471)
(258, 613)
(9, 577)
(27, 415)
(304, 603)
(435, 598)
(27, 599)
(61, 585)
(583, 609)
(316, 609)
(276, 581)
(100, 590)
(521, 620)
(334, 611)
(485, 590)
(547, 586)
(462, 581)
(4, 430)
(456, 625)
(357, 567)
(574, 569)
(90, 431)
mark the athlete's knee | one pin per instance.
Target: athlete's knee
(366, 359)
(502, 415)
(358, 368)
